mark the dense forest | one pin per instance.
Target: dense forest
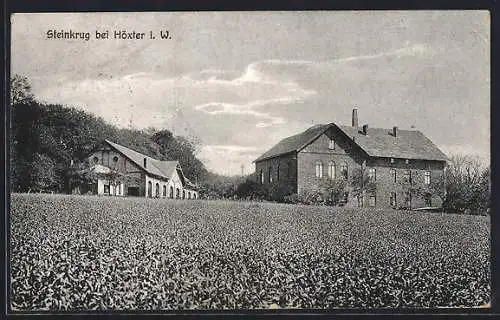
(49, 142)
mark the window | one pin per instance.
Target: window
(157, 190)
(177, 193)
(372, 174)
(407, 176)
(393, 175)
(372, 200)
(183, 194)
(171, 192)
(331, 144)
(189, 195)
(270, 177)
(194, 195)
(319, 169)
(392, 200)
(408, 200)
(407, 161)
(164, 191)
(261, 176)
(343, 170)
(360, 201)
(331, 170)
(428, 200)
(427, 177)
(96, 159)
(392, 160)
(115, 159)
(278, 173)
(150, 189)
(106, 188)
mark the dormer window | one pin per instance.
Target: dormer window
(331, 144)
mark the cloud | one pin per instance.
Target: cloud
(416, 50)
(248, 109)
(263, 84)
(228, 159)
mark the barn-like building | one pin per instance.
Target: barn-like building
(121, 171)
(394, 160)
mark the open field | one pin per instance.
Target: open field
(88, 252)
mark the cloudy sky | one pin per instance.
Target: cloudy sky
(239, 82)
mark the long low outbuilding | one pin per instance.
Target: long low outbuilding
(121, 171)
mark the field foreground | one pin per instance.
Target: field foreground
(88, 252)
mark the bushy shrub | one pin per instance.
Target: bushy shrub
(292, 198)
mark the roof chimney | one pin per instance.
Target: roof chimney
(355, 118)
(144, 162)
(395, 131)
(365, 129)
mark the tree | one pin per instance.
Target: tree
(248, 189)
(42, 175)
(362, 183)
(181, 149)
(468, 185)
(411, 189)
(20, 90)
(437, 188)
(332, 190)
(484, 191)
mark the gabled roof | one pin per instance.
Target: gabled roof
(409, 144)
(155, 167)
(293, 143)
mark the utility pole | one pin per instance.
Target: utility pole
(70, 176)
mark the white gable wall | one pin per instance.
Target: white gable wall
(117, 190)
(161, 183)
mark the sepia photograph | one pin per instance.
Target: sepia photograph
(249, 160)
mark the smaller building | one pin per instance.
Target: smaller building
(121, 171)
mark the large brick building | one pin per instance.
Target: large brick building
(396, 161)
(120, 171)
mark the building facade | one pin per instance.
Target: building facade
(404, 166)
(120, 171)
